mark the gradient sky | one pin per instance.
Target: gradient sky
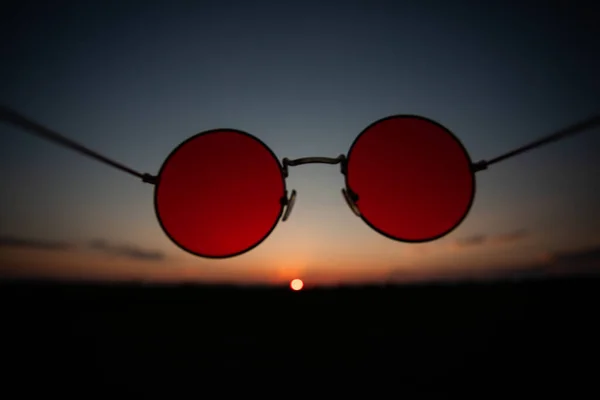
(133, 79)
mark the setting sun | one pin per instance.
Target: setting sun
(296, 284)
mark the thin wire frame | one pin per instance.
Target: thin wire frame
(13, 117)
(282, 200)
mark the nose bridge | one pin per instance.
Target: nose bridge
(348, 195)
(341, 159)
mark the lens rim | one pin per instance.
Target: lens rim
(196, 136)
(461, 146)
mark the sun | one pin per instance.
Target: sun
(296, 284)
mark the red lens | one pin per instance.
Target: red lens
(412, 176)
(219, 193)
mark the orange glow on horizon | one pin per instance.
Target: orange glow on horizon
(296, 284)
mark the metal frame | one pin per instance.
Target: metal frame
(12, 117)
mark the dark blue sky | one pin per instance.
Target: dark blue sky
(133, 79)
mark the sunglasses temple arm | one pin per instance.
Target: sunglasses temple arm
(579, 127)
(14, 118)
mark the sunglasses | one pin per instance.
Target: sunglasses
(222, 192)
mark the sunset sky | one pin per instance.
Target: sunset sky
(132, 80)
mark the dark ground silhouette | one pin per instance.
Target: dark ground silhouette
(540, 334)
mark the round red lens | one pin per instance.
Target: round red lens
(219, 193)
(412, 176)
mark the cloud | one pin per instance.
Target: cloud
(585, 255)
(122, 250)
(575, 263)
(30, 243)
(580, 262)
(470, 241)
(481, 239)
(511, 237)
(125, 250)
(583, 261)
